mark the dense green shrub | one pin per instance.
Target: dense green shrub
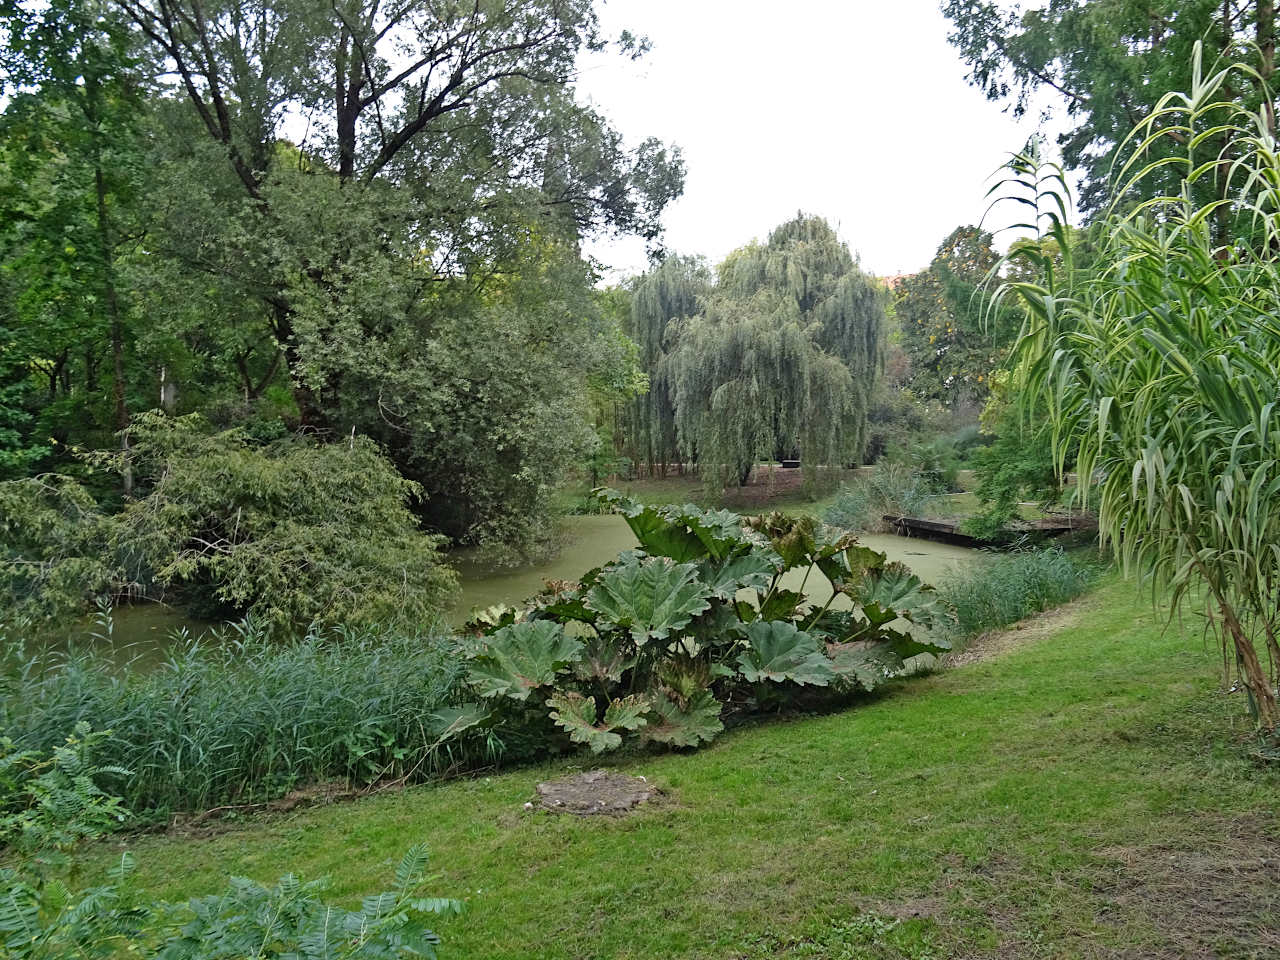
(894, 417)
(1013, 586)
(50, 802)
(240, 719)
(656, 643)
(889, 489)
(1017, 465)
(291, 531)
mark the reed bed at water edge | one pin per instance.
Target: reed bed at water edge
(1013, 586)
(238, 719)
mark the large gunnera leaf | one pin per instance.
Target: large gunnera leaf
(652, 597)
(577, 715)
(454, 721)
(778, 651)
(781, 605)
(832, 556)
(562, 601)
(893, 591)
(686, 532)
(683, 678)
(846, 561)
(687, 725)
(912, 643)
(864, 666)
(721, 531)
(522, 657)
(752, 571)
(491, 619)
(794, 539)
(602, 659)
(660, 531)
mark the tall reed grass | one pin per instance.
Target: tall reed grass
(890, 488)
(235, 719)
(1015, 585)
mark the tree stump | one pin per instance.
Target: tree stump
(594, 793)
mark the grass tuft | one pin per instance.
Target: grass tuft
(890, 489)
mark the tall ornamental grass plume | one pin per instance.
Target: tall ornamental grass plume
(889, 489)
(236, 718)
(1158, 362)
(1013, 586)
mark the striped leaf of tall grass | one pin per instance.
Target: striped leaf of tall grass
(237, 719)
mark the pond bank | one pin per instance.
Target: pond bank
(1076, 796)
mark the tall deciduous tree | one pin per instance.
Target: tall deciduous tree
(784, 354)
(446, 123)
(1108, 62)
(953, 341)
(674, 289)
(70, 143)
(366, 216)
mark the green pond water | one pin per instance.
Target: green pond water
(593, 541)
(140, 633)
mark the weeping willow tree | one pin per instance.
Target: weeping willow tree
(784, 355)
(1160, 366)
(673, 289)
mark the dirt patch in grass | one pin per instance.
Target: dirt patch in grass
(1216, 897)
(996, 643)
(1211, 892)
(595, 793)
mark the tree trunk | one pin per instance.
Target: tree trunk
(1255, 677)
(117, 327)
(56, 375)
(345, 111)
(744, 474)
(310, 411)
(168, 393)
(107, 254)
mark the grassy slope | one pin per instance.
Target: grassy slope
(1083, 795)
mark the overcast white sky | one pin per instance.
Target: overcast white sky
(855, 110)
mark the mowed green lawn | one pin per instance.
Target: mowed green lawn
(1086, 794)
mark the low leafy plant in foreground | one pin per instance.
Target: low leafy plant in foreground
(50, 803)
(656, 643)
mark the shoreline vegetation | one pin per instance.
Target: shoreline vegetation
(244, 718)
(1044, 802)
